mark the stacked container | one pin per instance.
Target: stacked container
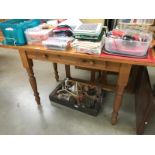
(13, 30)
(129, 47)
(36, 35)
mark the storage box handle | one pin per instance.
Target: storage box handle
(11, 39)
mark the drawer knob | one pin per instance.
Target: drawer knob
(92, 62)
(59, 56)
(45, 55)
(84, 60)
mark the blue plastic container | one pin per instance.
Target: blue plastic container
(13, 30)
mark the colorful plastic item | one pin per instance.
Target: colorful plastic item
(36, 35)
(131, 44)
(13, 30)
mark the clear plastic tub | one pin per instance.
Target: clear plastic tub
(57, 43)
(137, 21)
(36, 35)
(127, 47)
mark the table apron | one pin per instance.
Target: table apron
(81, 62)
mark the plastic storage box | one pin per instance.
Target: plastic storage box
(36, 35)
(58, 43)
(137, 21)
(129, 48)
(13, 30)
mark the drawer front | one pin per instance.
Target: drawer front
(76, 61)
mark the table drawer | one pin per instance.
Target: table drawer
(76, 61)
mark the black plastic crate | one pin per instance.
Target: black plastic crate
(91, 107)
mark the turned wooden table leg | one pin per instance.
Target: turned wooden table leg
(121, 83)
(117, 104)
(33, 83)
(67, 68)
(28, 65)
(104, 77)
(99, 74)
(92, 77)
(56, 71)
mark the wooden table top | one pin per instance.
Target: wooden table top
(148, 61)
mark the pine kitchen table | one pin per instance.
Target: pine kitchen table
(104, 62)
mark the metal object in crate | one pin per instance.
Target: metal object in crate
(79, 96)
